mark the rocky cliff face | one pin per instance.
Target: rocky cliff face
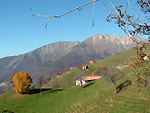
(107, 45)
(54, 51)
(52, 58)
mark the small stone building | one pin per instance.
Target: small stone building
(86, 79)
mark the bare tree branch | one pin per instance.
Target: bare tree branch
(132, 37)
(56, 16)
(128, 20)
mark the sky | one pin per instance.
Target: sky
(20, 32)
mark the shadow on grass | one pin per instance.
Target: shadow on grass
(123, 85)
(47, 90)
(88, 84)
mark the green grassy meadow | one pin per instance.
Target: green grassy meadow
(97, 98)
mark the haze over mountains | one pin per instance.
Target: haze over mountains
(52, 58)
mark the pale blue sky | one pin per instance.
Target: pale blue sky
(20, 32)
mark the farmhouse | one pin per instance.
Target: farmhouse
(91, 61)
(86, 79)
(85, 67)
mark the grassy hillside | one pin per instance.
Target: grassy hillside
(96, 97)
(67, 79)
(121, 59)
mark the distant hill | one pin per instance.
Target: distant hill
(52, 58)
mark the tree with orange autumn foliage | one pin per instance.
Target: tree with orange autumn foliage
(94, 73)
(22, 81)
(80, 66)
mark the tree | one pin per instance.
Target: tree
(86, 62)
(94, 73)
(22, 81)
(112, 74)
(134, 22)
(40, 81)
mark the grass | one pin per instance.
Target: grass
(65, 80)
(95, 98)
(50, 101)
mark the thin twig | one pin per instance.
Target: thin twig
(115, 9)
(47, 23)
(135, 13)
(126, 6)
(108, 9)
(93, 13)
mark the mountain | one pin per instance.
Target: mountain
(52, 58)
(107, 45)
(33, 61)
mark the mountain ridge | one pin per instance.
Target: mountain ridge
(66, 54)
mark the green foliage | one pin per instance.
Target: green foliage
(22, 81)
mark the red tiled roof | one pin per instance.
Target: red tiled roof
(87, 78)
